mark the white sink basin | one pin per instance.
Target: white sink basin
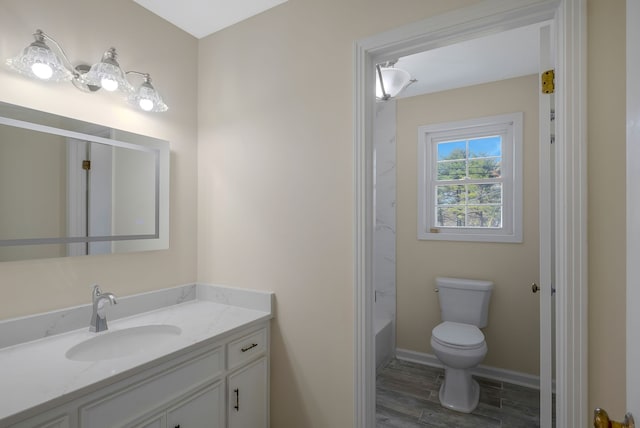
(121, 343)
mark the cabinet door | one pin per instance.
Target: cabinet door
(204, 409)
(248, 396)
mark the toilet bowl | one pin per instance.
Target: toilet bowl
(459, 347)
(458, 342)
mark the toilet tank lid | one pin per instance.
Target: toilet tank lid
(474, 284)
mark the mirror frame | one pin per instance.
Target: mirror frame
(25, 118)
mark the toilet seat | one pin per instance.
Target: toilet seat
(458, 335)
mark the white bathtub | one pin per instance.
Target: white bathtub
(383, 331)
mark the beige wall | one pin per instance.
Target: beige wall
(275, 185)
(606, 217)
(513, 330)
(86, 28)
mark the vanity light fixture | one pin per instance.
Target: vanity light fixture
(39, 61)
(107, 74)
(390, 81)
(146, 97)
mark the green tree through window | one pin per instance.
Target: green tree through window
(467, 194)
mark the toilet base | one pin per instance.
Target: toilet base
(459, 391)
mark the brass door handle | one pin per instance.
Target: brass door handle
(601, 420)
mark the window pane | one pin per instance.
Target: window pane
(484, 147)
(484, 168)
(484, 216)
(450, 216)
(485, 193)
(452, 170)
(452, 150)
(450, 195)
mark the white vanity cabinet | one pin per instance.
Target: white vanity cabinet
(222, 384)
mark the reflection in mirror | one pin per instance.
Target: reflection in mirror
(71, 188)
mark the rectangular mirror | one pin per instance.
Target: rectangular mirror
(70, 188)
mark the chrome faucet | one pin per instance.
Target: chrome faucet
(98, 317)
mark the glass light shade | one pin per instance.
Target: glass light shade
(147, 98)
(108, 75)
(39, 61)
(394, 80)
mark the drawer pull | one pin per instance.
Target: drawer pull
(246, 348)
(237, 406)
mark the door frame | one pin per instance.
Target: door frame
(633, 207)
(484, 18)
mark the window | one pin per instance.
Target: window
(470, 180)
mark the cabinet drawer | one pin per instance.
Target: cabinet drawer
(247, 347)
(123, 406)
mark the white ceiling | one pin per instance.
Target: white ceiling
(505, 55)
(203, 17)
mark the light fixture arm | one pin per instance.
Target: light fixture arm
(145, 76)
(385, 96)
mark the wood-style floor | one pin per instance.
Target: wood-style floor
(407, 397)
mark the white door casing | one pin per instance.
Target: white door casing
(633, 208)
(546, 209)
(570, 243)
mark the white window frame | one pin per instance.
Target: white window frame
(509, 126)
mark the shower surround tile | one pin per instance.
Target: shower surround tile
(384, 246)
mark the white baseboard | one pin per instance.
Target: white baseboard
(502, 375)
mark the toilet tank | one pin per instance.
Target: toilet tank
(464, 300)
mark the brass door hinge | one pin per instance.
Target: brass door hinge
(547, 78)
(86, 165)
(601, 420)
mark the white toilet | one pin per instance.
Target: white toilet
(458, 342)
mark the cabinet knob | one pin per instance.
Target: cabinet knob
(177, 426)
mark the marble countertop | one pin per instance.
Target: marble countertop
(36, 371)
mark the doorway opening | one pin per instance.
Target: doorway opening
(428, 35)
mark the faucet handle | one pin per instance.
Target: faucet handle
(96, 291)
